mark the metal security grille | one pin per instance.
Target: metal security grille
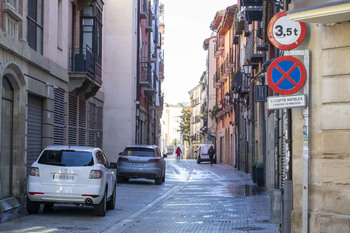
(34, 129)
(92, 124)
(82, 122)
(59, 116)
(72, 120)
(99, 127)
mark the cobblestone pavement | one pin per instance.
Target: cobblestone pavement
(194, 198)
(212, 199)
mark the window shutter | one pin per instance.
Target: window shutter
(59, 116)
(72, 120)
(82, 122)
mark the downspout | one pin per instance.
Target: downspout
(138, 76)
(73, 26)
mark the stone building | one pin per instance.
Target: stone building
(50, 66)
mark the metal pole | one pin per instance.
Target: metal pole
(306, 130)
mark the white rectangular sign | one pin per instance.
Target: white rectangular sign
(292, 101)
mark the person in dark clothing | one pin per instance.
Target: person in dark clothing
(211, 153)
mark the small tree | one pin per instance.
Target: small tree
(185, 124)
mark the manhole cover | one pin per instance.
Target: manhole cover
(249, 228)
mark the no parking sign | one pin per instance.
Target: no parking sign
(286, 75)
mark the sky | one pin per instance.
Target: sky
(187, 25)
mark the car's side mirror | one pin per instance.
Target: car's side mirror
(120, 153)
(165, 156)
(113, 166)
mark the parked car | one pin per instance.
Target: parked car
(141, 161)
(72, 174)
(202, 153)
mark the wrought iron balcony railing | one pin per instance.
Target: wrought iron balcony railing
(83, 60)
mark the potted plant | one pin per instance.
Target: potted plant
(260, 174)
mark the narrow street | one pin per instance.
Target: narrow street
(194, 198)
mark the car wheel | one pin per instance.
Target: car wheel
(101, 208)
(163, 178)
(111, 202)
(32, 207)
(158, 181)
(48, 206)
(122, 179)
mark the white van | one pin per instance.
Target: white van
(202, 153)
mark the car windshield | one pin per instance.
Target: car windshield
(141, 152)
(66, 158)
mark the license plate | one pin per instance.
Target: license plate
(137, 164)
(68, 177)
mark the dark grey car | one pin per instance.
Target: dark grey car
(141, 161)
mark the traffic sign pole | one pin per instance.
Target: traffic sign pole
(306, 138)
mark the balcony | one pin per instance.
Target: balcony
(253, 14)
(152, 89)
(252, 52)
(251, 2)
(84, 72)
(143, 12)
(319, 11)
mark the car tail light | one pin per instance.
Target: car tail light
(123, 159)
(154, 160)
(89, 195)
(95, 174)
(34, 171)
(33, 193)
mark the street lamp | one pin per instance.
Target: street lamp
(247, 66)
(227, 96)
(235, 95)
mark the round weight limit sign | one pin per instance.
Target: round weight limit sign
(285, 34)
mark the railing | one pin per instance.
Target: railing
(83, 60)
(251, 51)
(146, 71)
(195, 101)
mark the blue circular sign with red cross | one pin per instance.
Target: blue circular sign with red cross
(286, 75)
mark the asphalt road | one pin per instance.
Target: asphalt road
(194, 198)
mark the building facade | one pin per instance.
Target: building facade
(134, 73)
(170, 121)
(51, 62)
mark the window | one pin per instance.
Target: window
(91, 31)
(35, 25)
(66, 158)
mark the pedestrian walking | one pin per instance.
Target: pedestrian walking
(211, 153)
(178, 153)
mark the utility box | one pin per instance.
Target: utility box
(276, 206)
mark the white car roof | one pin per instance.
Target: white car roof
(66, 147)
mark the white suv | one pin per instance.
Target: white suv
(72, 174)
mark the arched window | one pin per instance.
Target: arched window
(6, 139)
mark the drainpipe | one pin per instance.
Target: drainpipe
(73, 26)
(138, 76)
(306, 155)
